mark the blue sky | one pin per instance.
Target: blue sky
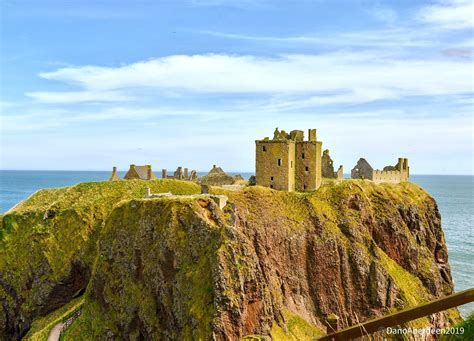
(86, 85)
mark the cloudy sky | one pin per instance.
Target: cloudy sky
(86, 85)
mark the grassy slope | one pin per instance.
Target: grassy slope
(42, 326)
(35, 253)
(464, 331)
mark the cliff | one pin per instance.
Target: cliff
(270, 264)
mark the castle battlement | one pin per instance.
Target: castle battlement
(390, 174)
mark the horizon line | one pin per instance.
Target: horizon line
(199, 171)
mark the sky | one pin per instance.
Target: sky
(87, 85)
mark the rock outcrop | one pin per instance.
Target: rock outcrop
(270, 263)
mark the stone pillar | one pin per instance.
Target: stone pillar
(147, 192)
(311, 134)
(178, 174)
(186, 176)
(148, 172)
(164, 173)
(340, 173)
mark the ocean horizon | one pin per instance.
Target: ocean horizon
(453, 193)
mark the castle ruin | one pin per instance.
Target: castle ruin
(289, 163)
(327, 166)
(114, 176)
(180, 174)
(140, 172)
(390, 174)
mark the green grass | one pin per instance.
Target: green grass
(297, 329)
(41, 327)
(462, 331)
(40, 251)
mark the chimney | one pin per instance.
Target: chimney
(311, 134)
(148, 172)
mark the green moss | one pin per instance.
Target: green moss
(54, 228)
(89, 326)
(461, 331)
(41, 327)
(412, 289)
(297, 329)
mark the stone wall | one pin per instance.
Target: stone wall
(180, 174)
(390, 174)
(393, 174)
(362, 170)
(340, 173)
(275, 164)
(288, 162)
(308, 165)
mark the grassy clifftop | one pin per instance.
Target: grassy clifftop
(270, 264)
(48, 244)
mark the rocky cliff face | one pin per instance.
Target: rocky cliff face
(271, 264)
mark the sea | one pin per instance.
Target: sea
(453, 193)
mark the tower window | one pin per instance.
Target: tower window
(271, 178)
(279, 162)
(302, 156)
(264, 148)
(304, 187)
(271, 186)
(307, 168)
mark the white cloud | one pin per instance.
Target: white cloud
(452, 14)
(79, 96)
(353, 76)
(393, 37)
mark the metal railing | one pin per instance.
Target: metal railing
(69, 319)
(403, 316)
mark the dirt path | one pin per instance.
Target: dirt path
(55, 332)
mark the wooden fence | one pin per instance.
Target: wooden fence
(403, 316)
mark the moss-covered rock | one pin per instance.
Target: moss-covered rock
(271, 264)
(48, 245)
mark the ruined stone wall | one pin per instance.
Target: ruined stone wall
(393, 174)
(386, 176)
(340, 173)
(131, 173)
(327, 166)
(362, 170)
(404, 169)
(275, 164)
(308, 165)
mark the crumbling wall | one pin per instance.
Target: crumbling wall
(340, 173)
(180, 174)
(114, 176)
(362, 170)
(390, 174)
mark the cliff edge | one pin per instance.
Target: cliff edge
(270, 264)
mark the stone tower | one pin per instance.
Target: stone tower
(289, 163)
